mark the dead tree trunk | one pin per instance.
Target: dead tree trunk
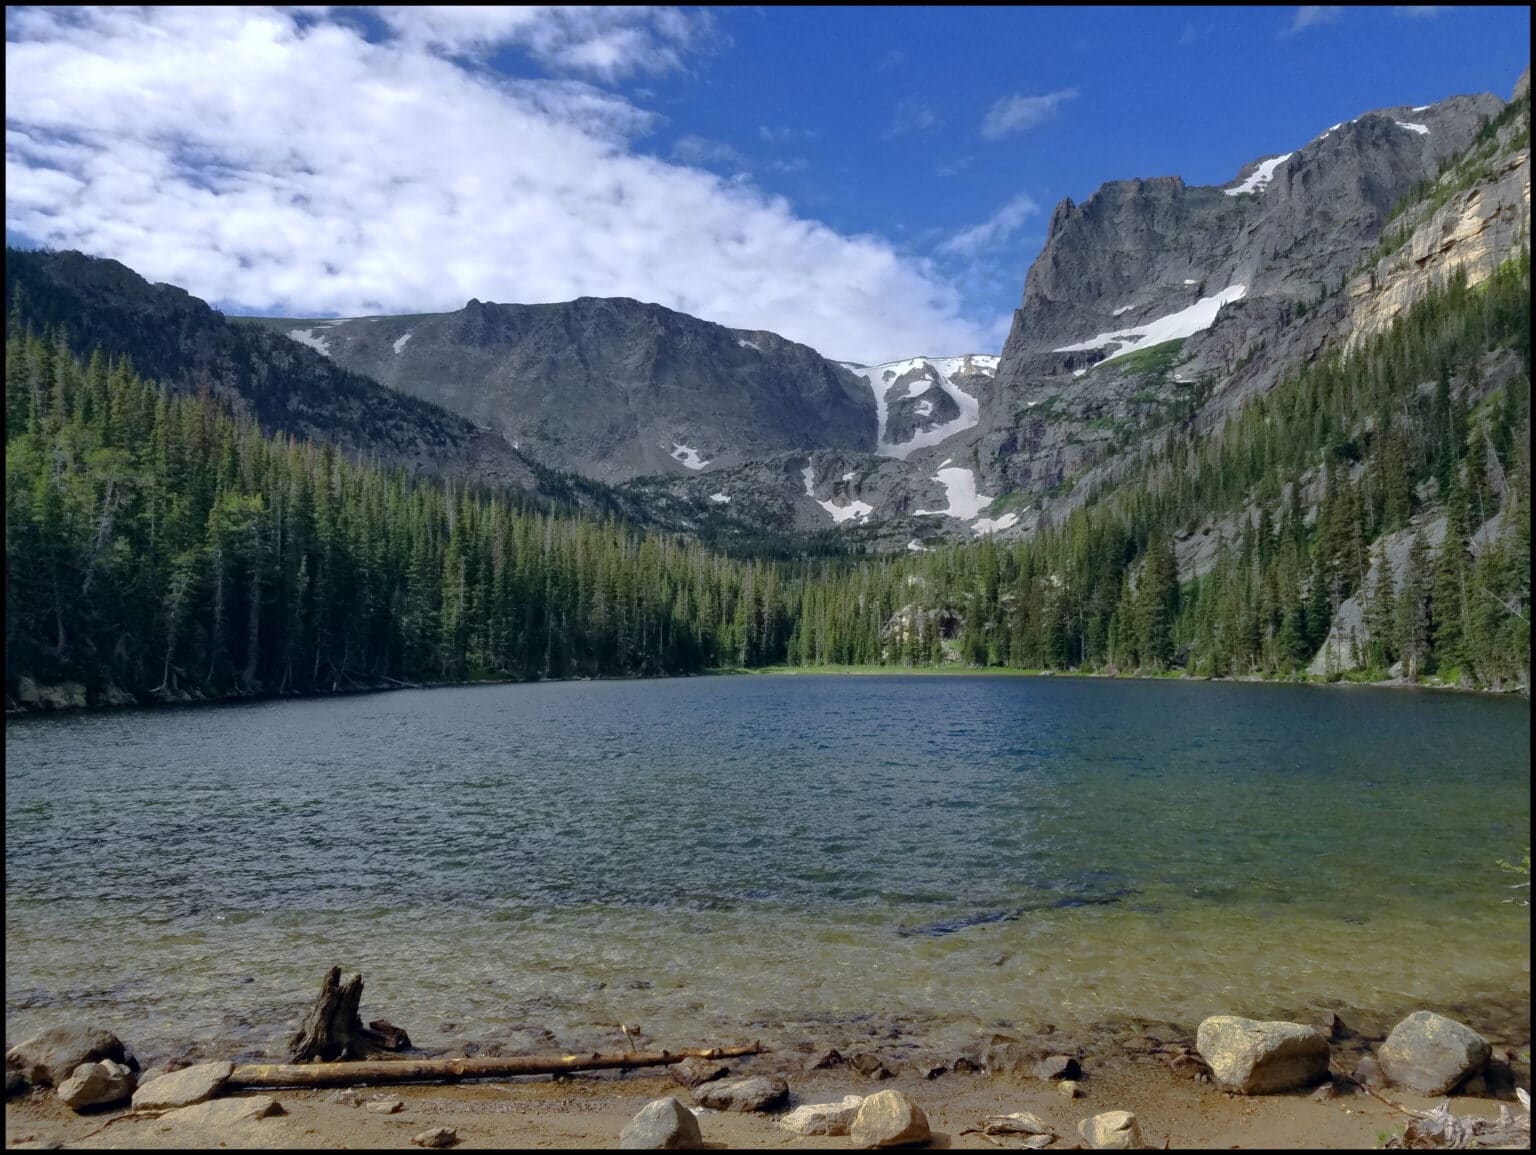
(453, 1070)
(333, 1030)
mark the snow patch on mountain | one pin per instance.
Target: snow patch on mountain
(400, 344)
(745, 344)
(854, 511)
(1259, 179)
(1184, 323)
(960, 487)
(687, 455)
(308, 337)
(1123, 309)
(992, 524)
(721, 498)
(1421, 129)
(933, 373)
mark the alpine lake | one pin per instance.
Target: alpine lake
(732, 858)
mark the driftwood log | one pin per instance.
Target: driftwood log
(333, 1031)
(453, 1070)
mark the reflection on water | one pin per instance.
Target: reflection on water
(761, 855)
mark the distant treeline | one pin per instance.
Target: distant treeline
(161, 545)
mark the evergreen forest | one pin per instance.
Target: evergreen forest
(160, 546)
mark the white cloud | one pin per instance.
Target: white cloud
(993, 231)
(606, 42)
(1018, 113)
(703, 152)
(1312, 15)
(290, 166)
(912, 115)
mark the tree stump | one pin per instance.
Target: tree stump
(333, 1030)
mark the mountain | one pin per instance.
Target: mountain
(611, 388)
(172, 336)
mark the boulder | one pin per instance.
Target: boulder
(889, 1119)
(695, 1072)
(1111, 1131)
(823, 1118)
(758, 1093)
(1058, 1067)
(1368, 1073)
(46, 1060)
(1430, 1053)
(1069, 1089)
(662, 1125)
(225, 1112)
(1259, 1058)
(97, 1085)
(437, 1137)
(384, 1106)
(183, 1088)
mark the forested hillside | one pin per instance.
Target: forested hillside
(159, 547)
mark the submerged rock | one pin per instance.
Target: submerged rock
(889, 1119)
(1259, 1058)
(662, 1125)
(1430, 1053)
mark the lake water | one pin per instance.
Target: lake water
(738, 857)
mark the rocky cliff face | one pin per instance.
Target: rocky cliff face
(610, 387)
(172, 336)
(1142, 264)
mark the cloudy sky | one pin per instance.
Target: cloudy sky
(873, 182)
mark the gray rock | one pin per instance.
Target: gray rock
(823, 1118)
(225, 1112)
(346, 1097)
(97, 1085)
(1058, 1067)
(870, 1066)
(437, 1137)
(662, 1125)
(758, 1093)
(384, 1106)
(827, 1058)
(47, 1059)
(1005, 1055)
(16, 1084)
(1258, 1058)
(889, 1119)
(1111, 1131)
(183, 1088)
(695, 1072)
(1430, 1053)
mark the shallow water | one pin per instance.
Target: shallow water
(720, 857)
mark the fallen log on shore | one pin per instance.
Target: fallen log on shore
(388, 1071)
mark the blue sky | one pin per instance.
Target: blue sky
(873, 182)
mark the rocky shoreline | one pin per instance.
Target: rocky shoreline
(1104, 1086)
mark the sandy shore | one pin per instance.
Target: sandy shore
(1173, 1109)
